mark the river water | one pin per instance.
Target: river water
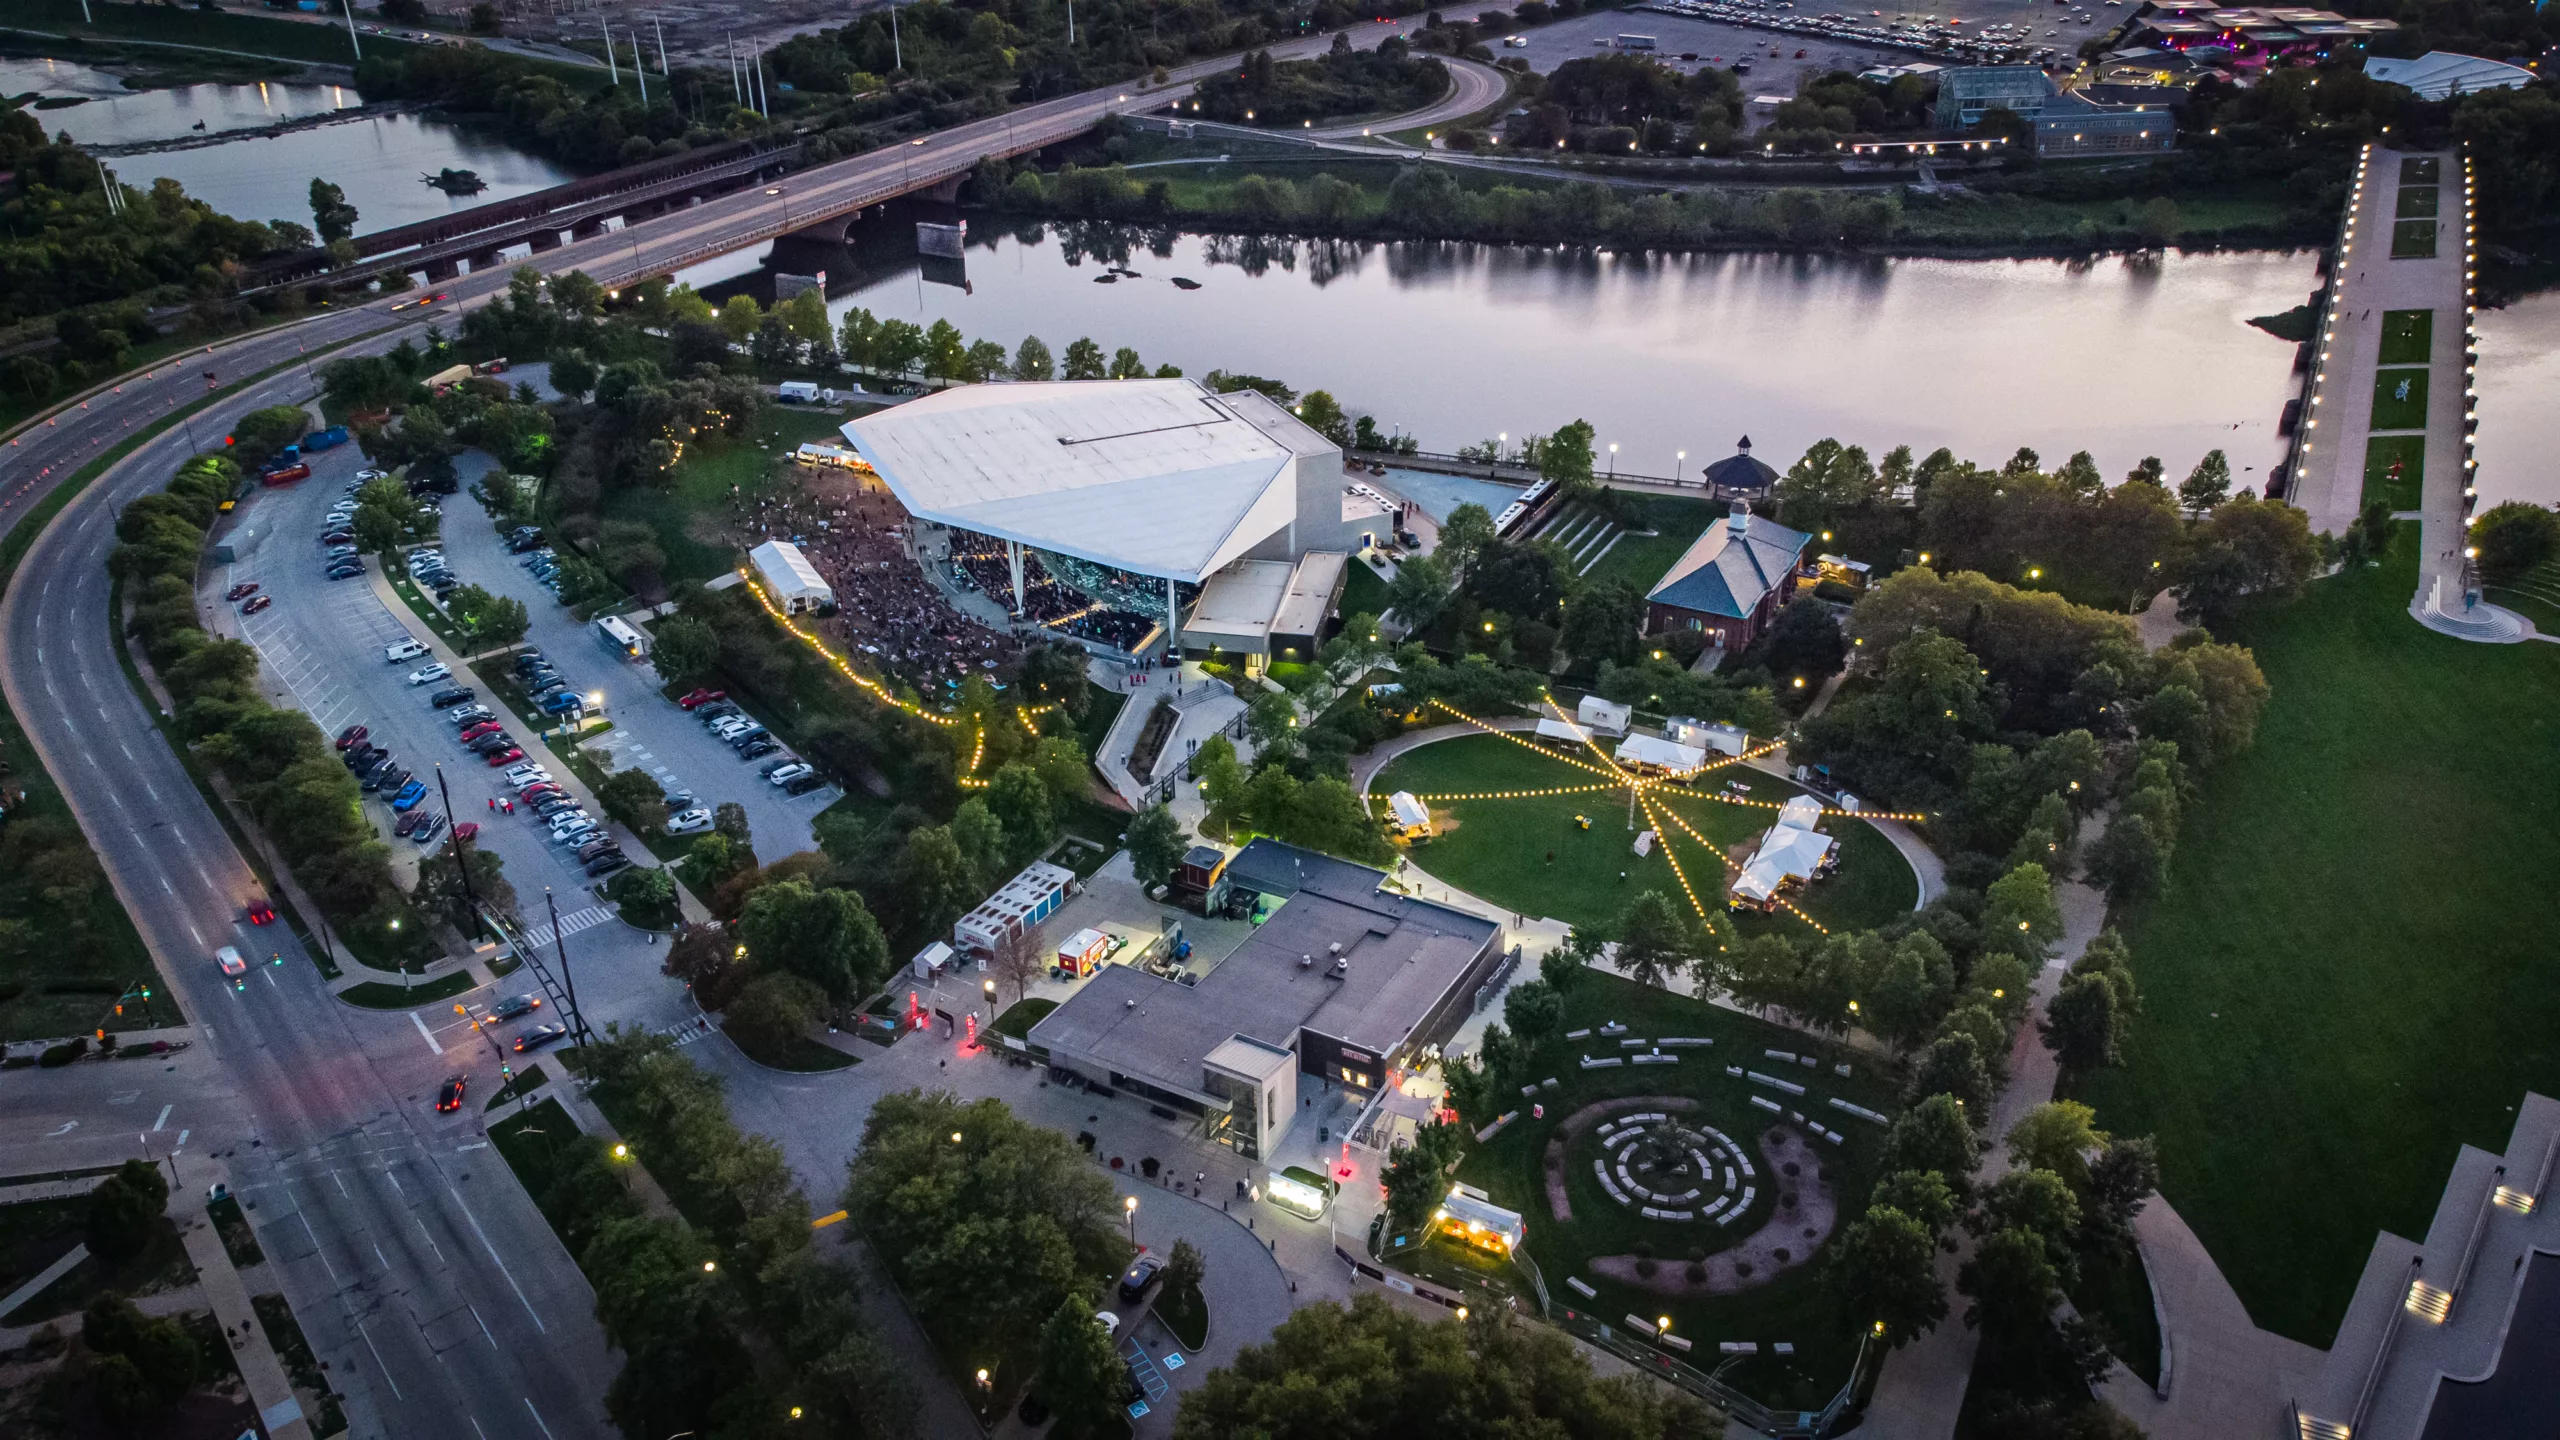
(379, 162)
(1456, 343)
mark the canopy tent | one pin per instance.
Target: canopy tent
(1801, 812)
(789, 578)
(1467, 1214)
(1412, 816)
(1551, 728)
(1660, 754)
(1786, 854)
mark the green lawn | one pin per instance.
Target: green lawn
(2400, 399)
(1793, 1307)
(2418, 169)
(1640, 560)
(690, 513)
(2416, 202)
(2408, 337)
(162, 1265)
(1363, 593)
(1020, 1016)
(1499, 849)
(2380, 453)
(2535, 595)
(2413, 239)
(2349, 974)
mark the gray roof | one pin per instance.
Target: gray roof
(1729, 571)
(1405, 956)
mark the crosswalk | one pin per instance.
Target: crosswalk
(685, 1032)
(570, 924)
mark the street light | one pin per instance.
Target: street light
(1129, 1208)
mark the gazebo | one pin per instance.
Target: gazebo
(1741, 473)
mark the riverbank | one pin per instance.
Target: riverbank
(146, 66)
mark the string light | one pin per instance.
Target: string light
(843, 666)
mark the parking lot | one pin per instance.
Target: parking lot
(648, 729)
(324, 640)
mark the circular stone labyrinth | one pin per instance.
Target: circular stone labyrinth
(1665, 1168)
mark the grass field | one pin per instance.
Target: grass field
(1363, 593)
(2413, 239)
(688, 513)
(2418, 169)
(1499, 850)
(2535, 595)
(2399, 399)
(1792, 1307)
(2415, 202)
(2380, 451)
(2348, 975)
(1640, 560)
(2408, 337)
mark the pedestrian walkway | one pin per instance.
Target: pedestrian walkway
(570, 924)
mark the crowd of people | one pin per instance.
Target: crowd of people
(978, 562)
(858, 536)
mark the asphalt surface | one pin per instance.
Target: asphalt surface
(420, 1271)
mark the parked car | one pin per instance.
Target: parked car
(345, 572)
(445, 699)
(431, 674)
(702, 697)
(757, 749)
(688, 822)
(428, 828)
(506, 757)
(804, 784)
(526, 773)
(409, 795)
(257, 604)
(1142, 1272)
(404, 650)
(241, 591)
(467, 830)
(409, 822)
(789, 773)
(352, 736)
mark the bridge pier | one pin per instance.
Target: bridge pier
(439, 271)
(948, 191)
(484, 260)
(587, 229)
(542, 240)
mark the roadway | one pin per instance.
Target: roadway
(420, 1271)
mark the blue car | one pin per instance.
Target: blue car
(410, 794)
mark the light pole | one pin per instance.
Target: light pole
(1129, 1208)
(1613, 459)
(1679, 465)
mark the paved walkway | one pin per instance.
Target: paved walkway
(2220, 1375)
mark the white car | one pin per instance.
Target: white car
(573, 834)
(524, 775)
(789, 773)
(369, 474)
(1109, 1322)
(229, 959)
(728, 725)
(431, 674)
(688, 821)
(405, 650)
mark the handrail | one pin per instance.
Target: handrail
(2471, 1244)
(2382, 1353)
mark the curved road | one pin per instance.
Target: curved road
(419, 1269)
(1473, 86)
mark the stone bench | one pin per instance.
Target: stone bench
(1495, 1128)
(1676, 1342)
(1734, 1070)
(1581, 1034)
(1528, 1089)
(1787, 1055)
(1745, 1162)
(1715, 1205)
(1632, 1042)
(1729, 1216)
(1613, 1028)
(1611, 1063)
(1683, 1042)
(1861, 1111)
(1657, 1059)
(1641, 1325)
(1775, 1083)
(1575, 1282)
(1831, 1135)
(1549, 1083)
(1730, 1180)
(1841, 1069)
(1739, 1347)
(1748, 1191)
(1765, 1103)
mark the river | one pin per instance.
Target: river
(378, 161)
(1663, 354)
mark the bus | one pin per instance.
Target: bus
(621, 638)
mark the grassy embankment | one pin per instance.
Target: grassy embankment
(2346, 978)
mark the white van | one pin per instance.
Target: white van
(797, 392)
(405, 650)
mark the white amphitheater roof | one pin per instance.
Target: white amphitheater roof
(2440, 73)
(1160, 477)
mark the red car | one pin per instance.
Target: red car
(450, 1097)
(352, 736)
(241, 591)
(485, 727)
(257, 603)
(702, 697)
(467, 830)
(260, 912)
(508, 756)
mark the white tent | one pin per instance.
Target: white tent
(789, 579)
(1551, 728)
(1660, 754)
(1467, 1215)
(1412, 816)
(1604, 716)
(1786, 853)
(1801, 812)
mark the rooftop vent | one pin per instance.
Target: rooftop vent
(1337, 947)
(1341, 968)
(1305, 960)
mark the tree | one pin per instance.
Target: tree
(1323, 415)
(145, 1363)
(2149, 472)
(1534, 1011)
(684, 650)
(2121, 1178)
(935, 880)
(1419, 591)
(2012, 1281)
(1904, 1000)
(1884, 1269)
(2019, 914)
(2058, 1136)
(1468, 530)
(334, 218)
(1653, 945)
(1370, 1371)
(646, 894)
(1184, 1269)
(2081, 1025)
(825, 936)
(1019, 959)
(2130, 861)
(1021, 799)
(1921, 1194)
(492, 621)
(1084, 360)
(1803, 643)
(1564, 459)
(1829, 481)
(2513, 538)
(262, 432)
(1953, 1065)
(1933, 1135)
(1602, 622)
(634, 797)
(1565, 967)
(2206, 486)
(2247, 547)
(773, 1014)
(1417, 1176)
(1125, 365)
(124, 1211)
(1081, 1374)
(1032, 361)
(1156, 844)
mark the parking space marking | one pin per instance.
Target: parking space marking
(1143, 1368)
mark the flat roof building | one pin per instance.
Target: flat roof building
(1968, 92)
(1346, 979)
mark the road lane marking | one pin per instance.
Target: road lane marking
(323, 1254)
(431, 1239)
(537, 1418)
(503, 1270)
(377, 1355)
(183, 1134)
(424, 1032)
(475, 1145)
(484, 1325)
(163, 1122)
(377, 1251)
(342, 1193)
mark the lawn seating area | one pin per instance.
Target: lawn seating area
(1498, 849)
(2347, 977)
